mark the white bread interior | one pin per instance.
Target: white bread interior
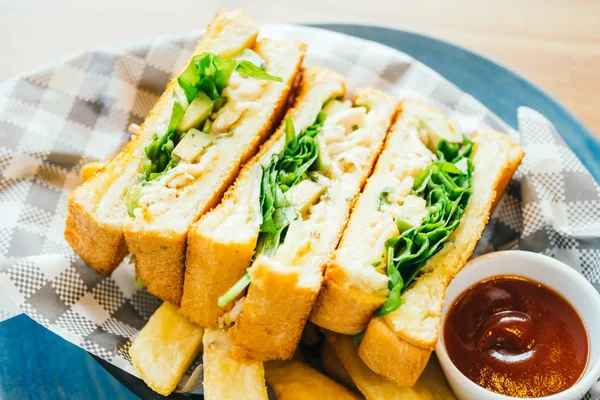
(97, 209)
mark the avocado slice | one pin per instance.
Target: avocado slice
(192, 145)
(304, 194)
(199, 110)
(323, 161)
(440, 128)
(252, 56)
(334, 106)
(207, 126)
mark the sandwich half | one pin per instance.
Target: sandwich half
(210, 120)
(97, 208)
(413, 228)
(283, 218)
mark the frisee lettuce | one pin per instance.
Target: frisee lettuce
(446, 188)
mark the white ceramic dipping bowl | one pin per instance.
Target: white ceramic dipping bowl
(551, 273)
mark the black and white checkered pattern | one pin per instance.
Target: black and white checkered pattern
(56, 119)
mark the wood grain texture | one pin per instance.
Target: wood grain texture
(555, 43)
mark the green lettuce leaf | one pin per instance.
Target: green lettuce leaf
(210, 73)
(246, 68)
(286, 169)
(446, 189)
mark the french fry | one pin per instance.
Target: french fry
(430, 386)
(334, 367)
(90, 169)
(432, 383)
(165, 348)
(294, 380)
(227, 378)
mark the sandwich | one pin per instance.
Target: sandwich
(413, 228)
(212, 117)
(279, 223)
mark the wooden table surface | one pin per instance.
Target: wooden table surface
(556, 43)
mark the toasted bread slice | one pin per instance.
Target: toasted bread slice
(294, 380)
(226, 378)
(284, 287)
(398, 345)
(431, 385)
(97, 209)
(165, 348)
(222, 242)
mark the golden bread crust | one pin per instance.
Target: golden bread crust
(395, 359)
(289, 313)
(334, 301)
(269, 326)
(212, 267)
(101, 246)
(206, 256)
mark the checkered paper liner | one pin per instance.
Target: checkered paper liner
(77, 110)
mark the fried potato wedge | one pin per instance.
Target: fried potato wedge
(294, 380)
(334, 367)
(226, 378)
(430, 386)
(165, 348)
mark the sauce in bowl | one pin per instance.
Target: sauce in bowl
(516, 337)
